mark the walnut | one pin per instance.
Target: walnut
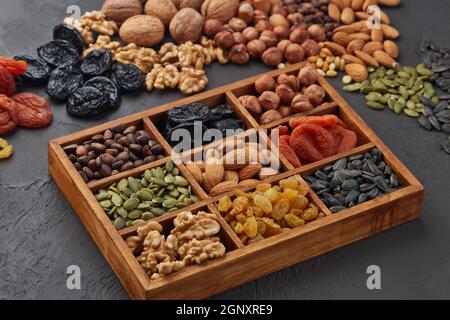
(192, 80)
(219, 9)
(135, 242)
(221, 56)
(191, 56)
(143, 58)
(186, 25)
(143, 30)
(198, 251)
(194, 4)
(120, 10)
(96, 21)
(163, 77)
(168, 54)
(199, 226)
(157, 249)
(151, 77)
(315, 94)
(103, 42)
(168, 267)
(85, 32)
(164, 10)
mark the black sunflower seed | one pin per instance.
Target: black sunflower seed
(362, 198)
(350, 184)
(337, 209)
(365, 187)
(381, 183)
(373, 193)
(424, 122)
(446, 147)
(435, 123)
(351, 197)
(340, 164)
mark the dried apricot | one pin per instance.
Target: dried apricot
(322, 121)
(34, 111)
(9, 115)
(312, 143)
(345, 140)
(14, 66)
(7, 83)
(287, 151)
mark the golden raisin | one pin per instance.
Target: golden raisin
(263, 203)
(297, 212)
(251, 227)
(241, 218)
(280, 209)
(290, 183)
(293, 221)
(310, 214)
(300, 202)
(239, 228)
(263, 187)
(289, 194)
(261, 226)
(303, 189)
(271, 227)
(272, 194)
(225, 204)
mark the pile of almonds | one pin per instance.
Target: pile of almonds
(242, 164)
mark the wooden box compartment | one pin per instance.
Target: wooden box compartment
(241, 263)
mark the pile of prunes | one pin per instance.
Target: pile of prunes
(91, 85)
(196, 119)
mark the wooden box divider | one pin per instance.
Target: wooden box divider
(241, 263)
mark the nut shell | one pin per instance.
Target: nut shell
(165, 10)
(256, 48)
(265, 83)
(143, 30)
(315, 94)
(269, 100)
(224, 40)
(294, 53)
(120, 10)
(270, 116)
(301, 103)
(272, 57)
(219, 9)
(194, 4)
(212, 27)
(186, 25)
(307, 76)
(285, 93)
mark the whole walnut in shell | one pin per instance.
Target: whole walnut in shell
(165, 10)
(315, 94)
(186, 25)
(220, 9)
(120, 10)
(194, 4)
(142, 30)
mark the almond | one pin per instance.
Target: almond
(196, 171)
(239, 158)
(341, 38)
(347, 16)
(335, 48)
(356, 71)
(359, 26)
(231, 175)
(347, 3)
(248, 183)
(357, 5)
(384, 59)
(223, 187)
(391, 48)
(377, 35)
(249, 171)
(206, 185)
(389, 3)
(368, 3)
(340, 4)
(356, 44)
(348, 58)
(334, 12)
(367, 59)
(361, 15)
(267, 172)
(384, 17)
(360, 35)
(372, 46)
(214, 171)
(389, 31)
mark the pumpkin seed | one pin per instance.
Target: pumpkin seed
(148, 216)
(102, 195)
(106, 204)
(119, 223)
(131, 204)
(375, 105)
(352, 87)
(411, 113)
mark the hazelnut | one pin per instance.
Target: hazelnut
(270, 116)
(278, 20)
(299, 35)
(239, 54)
(237, 24)
(250, 34)
(186, 25)
(246, 12)
(224, 40)
(269, 100)
(272, 57)
(285, 111)
(317, 33)
(315, 94)
(278, 9)
(283, 44)
(269, 37)
(256, 48)
(307, 76)
(265, 83)
(259, 15)
(263, 26)
(285, 93)
(290, 80)
(212, 27)
(311, 48)
(295, 18)
(251, 103)
(301, 103)
(239, 38)
(282, 32)
(294, 53)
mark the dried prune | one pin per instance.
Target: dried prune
(312, 142)
(190, 127)
(220, 112)
(108, 87)
(34, 111)
(96, 63)
(9, 115)
(188, 113)
(128, 77)
(87, 101)
(7, 82)
(38, 70)
(228, 124)
(64, 81)
(70, 34)
(58, 52)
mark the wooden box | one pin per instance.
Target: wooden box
(241, 263)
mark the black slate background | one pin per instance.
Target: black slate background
(40, 236)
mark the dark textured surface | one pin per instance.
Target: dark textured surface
(40, 235)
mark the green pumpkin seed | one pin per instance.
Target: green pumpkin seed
(144, 183)
(404, 75)
(169, 178)
(131, 204)
(411, 113)
(148, 175)
(159, 181)
(144, 195)
(144, 206)
(136, 222)
(112, 211)
(158, 211)
(423, 71)
(371, 69)
(133, 184)
(148, 216)
(183, 190)
(160, 193)
(116, 199)
(170, 187)
(169, 203)
(175, 171)
(391, 103)
(174, 193)
(122, 212)
(180, 182)
(158, 200)
(106, 204)
(373, 97)
(129, 223)
(352, 87)
(103, 195)
(435, 100)
(194, 198)
(169, 166)
(119, 223)
(410, 104)
(398, 107)
(135, 214)
(375, 105)
(122, 184)
(159, 173)
(127, 192)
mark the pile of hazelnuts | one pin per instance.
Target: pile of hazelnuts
(278, 98)
(286, 32)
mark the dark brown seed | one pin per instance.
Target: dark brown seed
(142, 139)
(112, 152)
(70, 149)
(130, 129)
(151, 143)
(115, 172)
(73, 158)
(118, 129)
(131, 138)
(135, 148)
(108, 159)
(97, 175)
(150, 159)
(157, 149)
(133, 156)
(108, 143)
(92, 165)
(146, 151)
(81, 151)
(117, 136)
(107, 135)
(127, 166)
(123, 156)
(98, 161)
(117, 165)
(83, 160)
(92, 155)
(124, 141)
(78, 166)
(98, 147)
(138, 163)
(159, 157)
(140, 133)
(88, 172)
(84, 176)
(117, 146)
(97, 138)
(105, 170)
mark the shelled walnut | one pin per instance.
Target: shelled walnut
(193, 240)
